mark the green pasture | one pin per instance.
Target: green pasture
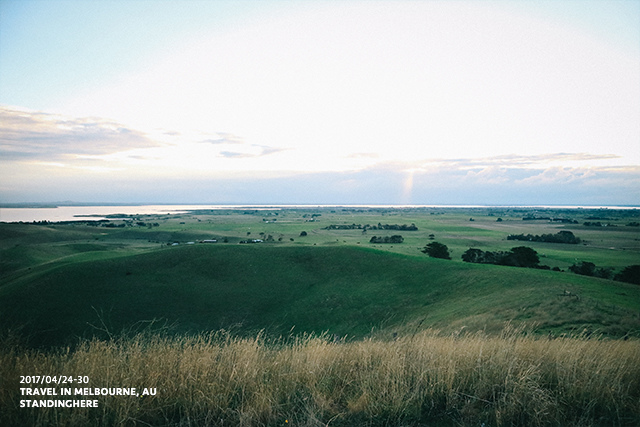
(61, 281)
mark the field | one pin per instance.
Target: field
(348, 331)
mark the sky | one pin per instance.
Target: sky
(320, 102)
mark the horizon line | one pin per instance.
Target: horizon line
(56, 204)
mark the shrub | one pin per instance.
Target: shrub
(584, 268)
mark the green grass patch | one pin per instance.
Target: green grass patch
(340, 290)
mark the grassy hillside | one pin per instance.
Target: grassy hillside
(342, 290)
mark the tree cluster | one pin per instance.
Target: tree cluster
(592, 224)
(112, 225)
(550, 219)
(586, 268)
(630, 274)
(560, 237)
(520, 256)
(387, 239)
(108, 224)
(403, 227)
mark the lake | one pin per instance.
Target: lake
(79, 213)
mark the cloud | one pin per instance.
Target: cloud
(520, 161)
(270, 150)
(224, 138)
(502, 168)
(247, 151)
(233, 154)
(513, 185)
(46, 156)
(262, 151)
(363, 156)
(528, 180)
(37, 136)
(488, 175)
(376, 185)
(558, 175)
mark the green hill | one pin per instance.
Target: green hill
(285, 290)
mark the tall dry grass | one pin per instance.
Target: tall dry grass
(425, 379)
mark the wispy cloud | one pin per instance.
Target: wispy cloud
(224, 138)
(37, 136)
(514, 161)
(45, 152)
(242, 150)
(262, 150)
(494, 169)
(495, 185)
(270, 150)
(363, 156)
(235, 155)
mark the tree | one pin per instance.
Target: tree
(565, 236)
(630, 274)
(437, 250)
(521, 256)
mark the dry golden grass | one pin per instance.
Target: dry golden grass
(424, 379)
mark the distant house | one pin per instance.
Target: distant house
(209, 241)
